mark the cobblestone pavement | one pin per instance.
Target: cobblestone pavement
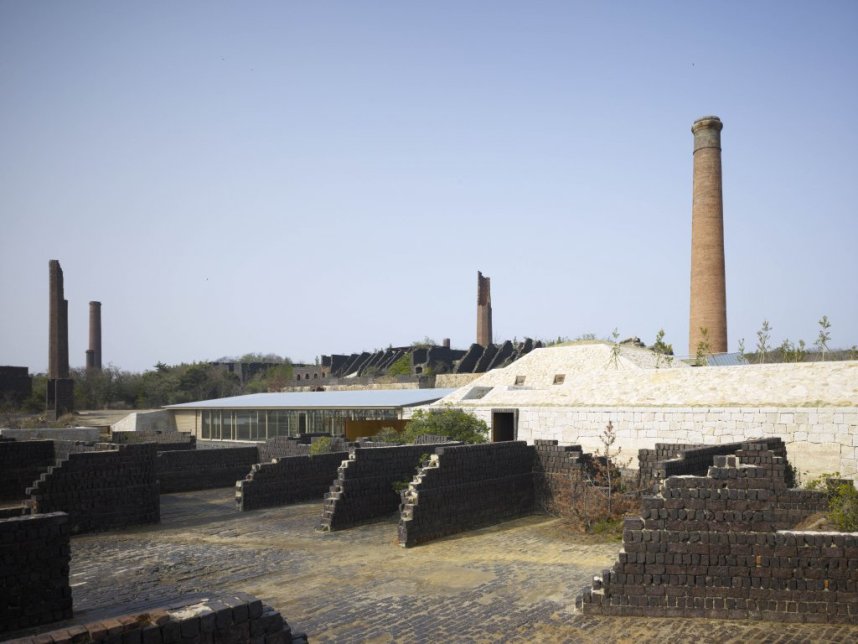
(510, 583)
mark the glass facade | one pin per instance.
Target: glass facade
(261, 424)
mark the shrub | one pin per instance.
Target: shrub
(320, 446)
(843, 507)
(388, 435)
(455, 424)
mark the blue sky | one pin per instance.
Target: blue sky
(328, 177)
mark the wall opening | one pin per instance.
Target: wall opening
(503, 426)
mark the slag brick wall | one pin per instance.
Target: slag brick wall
(720, 546)
(34, 571)
(287, 480)
(186, 470)
(465, 487)
(21, 463)
(101, 490)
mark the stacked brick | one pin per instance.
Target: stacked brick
(281, 446)
(718, 546)
(558, 473)
(101, 490)
(186, 470)
(21, 463)
(287, 480)
(466, 487)
(366, 484)
(34, 571)
(166, 440)
(237, 617)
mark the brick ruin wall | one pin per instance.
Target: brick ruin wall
(287, 480)
(101, 490)
(558, 473)
(720, 546)
(213, 618)
(187, 470)
(364, 487)
(34, 571)
(466, 487)
(166, 440)
(21, 463)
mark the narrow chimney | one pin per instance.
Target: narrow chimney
(708, 284)
(94, 353)
(59, 397)
(484, 310)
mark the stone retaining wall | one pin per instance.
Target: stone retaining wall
(719, 546)
(186, 470)
(21, 463)
(288, 480)
(466, 487)
(101, 490)
(364, 488)
(34, 571)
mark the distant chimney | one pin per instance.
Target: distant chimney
(445, 343)
(708, 284)
(484, 310)
(59, 397)
(93, 355)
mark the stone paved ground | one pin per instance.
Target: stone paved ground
(511, 583)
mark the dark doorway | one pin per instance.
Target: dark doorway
(302, 424)
(503, 426)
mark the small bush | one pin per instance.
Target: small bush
(843, 507)
(320, 446)
(388, 435)
(455, 424)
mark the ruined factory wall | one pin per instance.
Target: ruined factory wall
(167, 440)
(21, 463)
(91, 434)
(364, 488)
(288, 480)
(186, 470)
(720, 546)
(213, 618)
(34, 571)
(818, 439)
(466, 487)
(101, 490)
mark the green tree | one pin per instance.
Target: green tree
(703, 347)
(763, 336)
(455, 424)
(824, 336)
(663, 350)
(401, 367)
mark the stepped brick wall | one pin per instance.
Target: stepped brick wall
(720, 546)
(558, 473)
(34, 571)
(101, 490)
(466, 487)
(186, 470)
(364, 488)
(287, 480)
(21, 463)
(213, 618)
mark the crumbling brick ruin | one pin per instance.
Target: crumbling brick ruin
(287, 480)
(60, 390)
(720, 545)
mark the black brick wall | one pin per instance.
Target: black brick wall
(21, 463)
(288, 480)
(186, 470)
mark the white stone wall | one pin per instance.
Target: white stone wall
(818, 439)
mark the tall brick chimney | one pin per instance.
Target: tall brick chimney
(708, 285)
(60, 389)
(93, 355)
(484, 310)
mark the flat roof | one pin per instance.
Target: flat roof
(352, 399)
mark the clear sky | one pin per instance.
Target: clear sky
(306, 178)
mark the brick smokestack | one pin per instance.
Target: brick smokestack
(59, 397)
(708, 284)
(93, 356)
(484, 310)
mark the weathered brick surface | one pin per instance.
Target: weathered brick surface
(465, 487)
(229, 618)
(21, 463)
(719, 546)
(34, 571)
(558, 473)
(166, 440)
(287, 480)
(101, 490)
(364, 487)
(186, 470)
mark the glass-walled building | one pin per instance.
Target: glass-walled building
(258, 417)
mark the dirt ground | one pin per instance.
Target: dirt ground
(515, 582)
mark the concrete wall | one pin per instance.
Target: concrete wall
(818, 439)
(160, 420)
(101, 490)
(34, 571)
(185, 470)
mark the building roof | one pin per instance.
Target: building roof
(351, 399)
